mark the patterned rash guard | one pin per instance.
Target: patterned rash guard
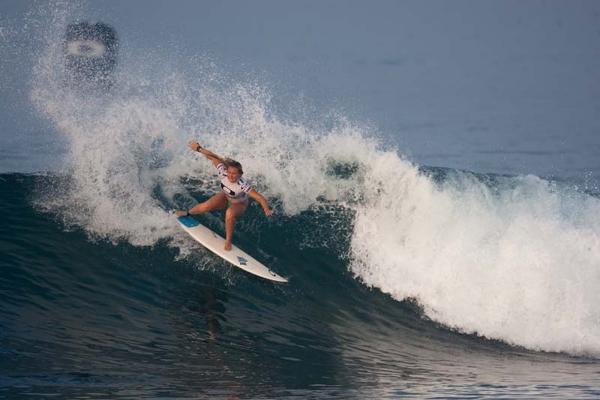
(234, 191)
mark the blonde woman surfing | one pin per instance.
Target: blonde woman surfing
(233, 196)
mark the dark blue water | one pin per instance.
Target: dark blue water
(85, 318)
(433, 171)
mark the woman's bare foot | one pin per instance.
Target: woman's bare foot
(227, 246)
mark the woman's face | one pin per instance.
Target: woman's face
(233, 174)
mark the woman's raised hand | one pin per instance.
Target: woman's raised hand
(194, 145)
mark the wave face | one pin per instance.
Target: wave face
(81, 314)
(427, 279)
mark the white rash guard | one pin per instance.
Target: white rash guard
(237, 191)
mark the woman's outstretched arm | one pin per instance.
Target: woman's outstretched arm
(216, 160)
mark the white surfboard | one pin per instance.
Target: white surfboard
(235, 256)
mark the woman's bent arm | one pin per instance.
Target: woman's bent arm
(262, 201)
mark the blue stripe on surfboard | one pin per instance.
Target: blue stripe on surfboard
(188, 222)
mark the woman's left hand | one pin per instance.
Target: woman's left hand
(268, 212)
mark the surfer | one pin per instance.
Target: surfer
(233, 195)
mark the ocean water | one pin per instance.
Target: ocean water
(433, 170)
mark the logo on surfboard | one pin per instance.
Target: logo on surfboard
(242, 260)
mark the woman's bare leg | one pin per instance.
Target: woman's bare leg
(216, 202)
(235, 210)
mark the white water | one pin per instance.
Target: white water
(520, 263)
(517, 260)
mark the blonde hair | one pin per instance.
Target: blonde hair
(229, 162)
